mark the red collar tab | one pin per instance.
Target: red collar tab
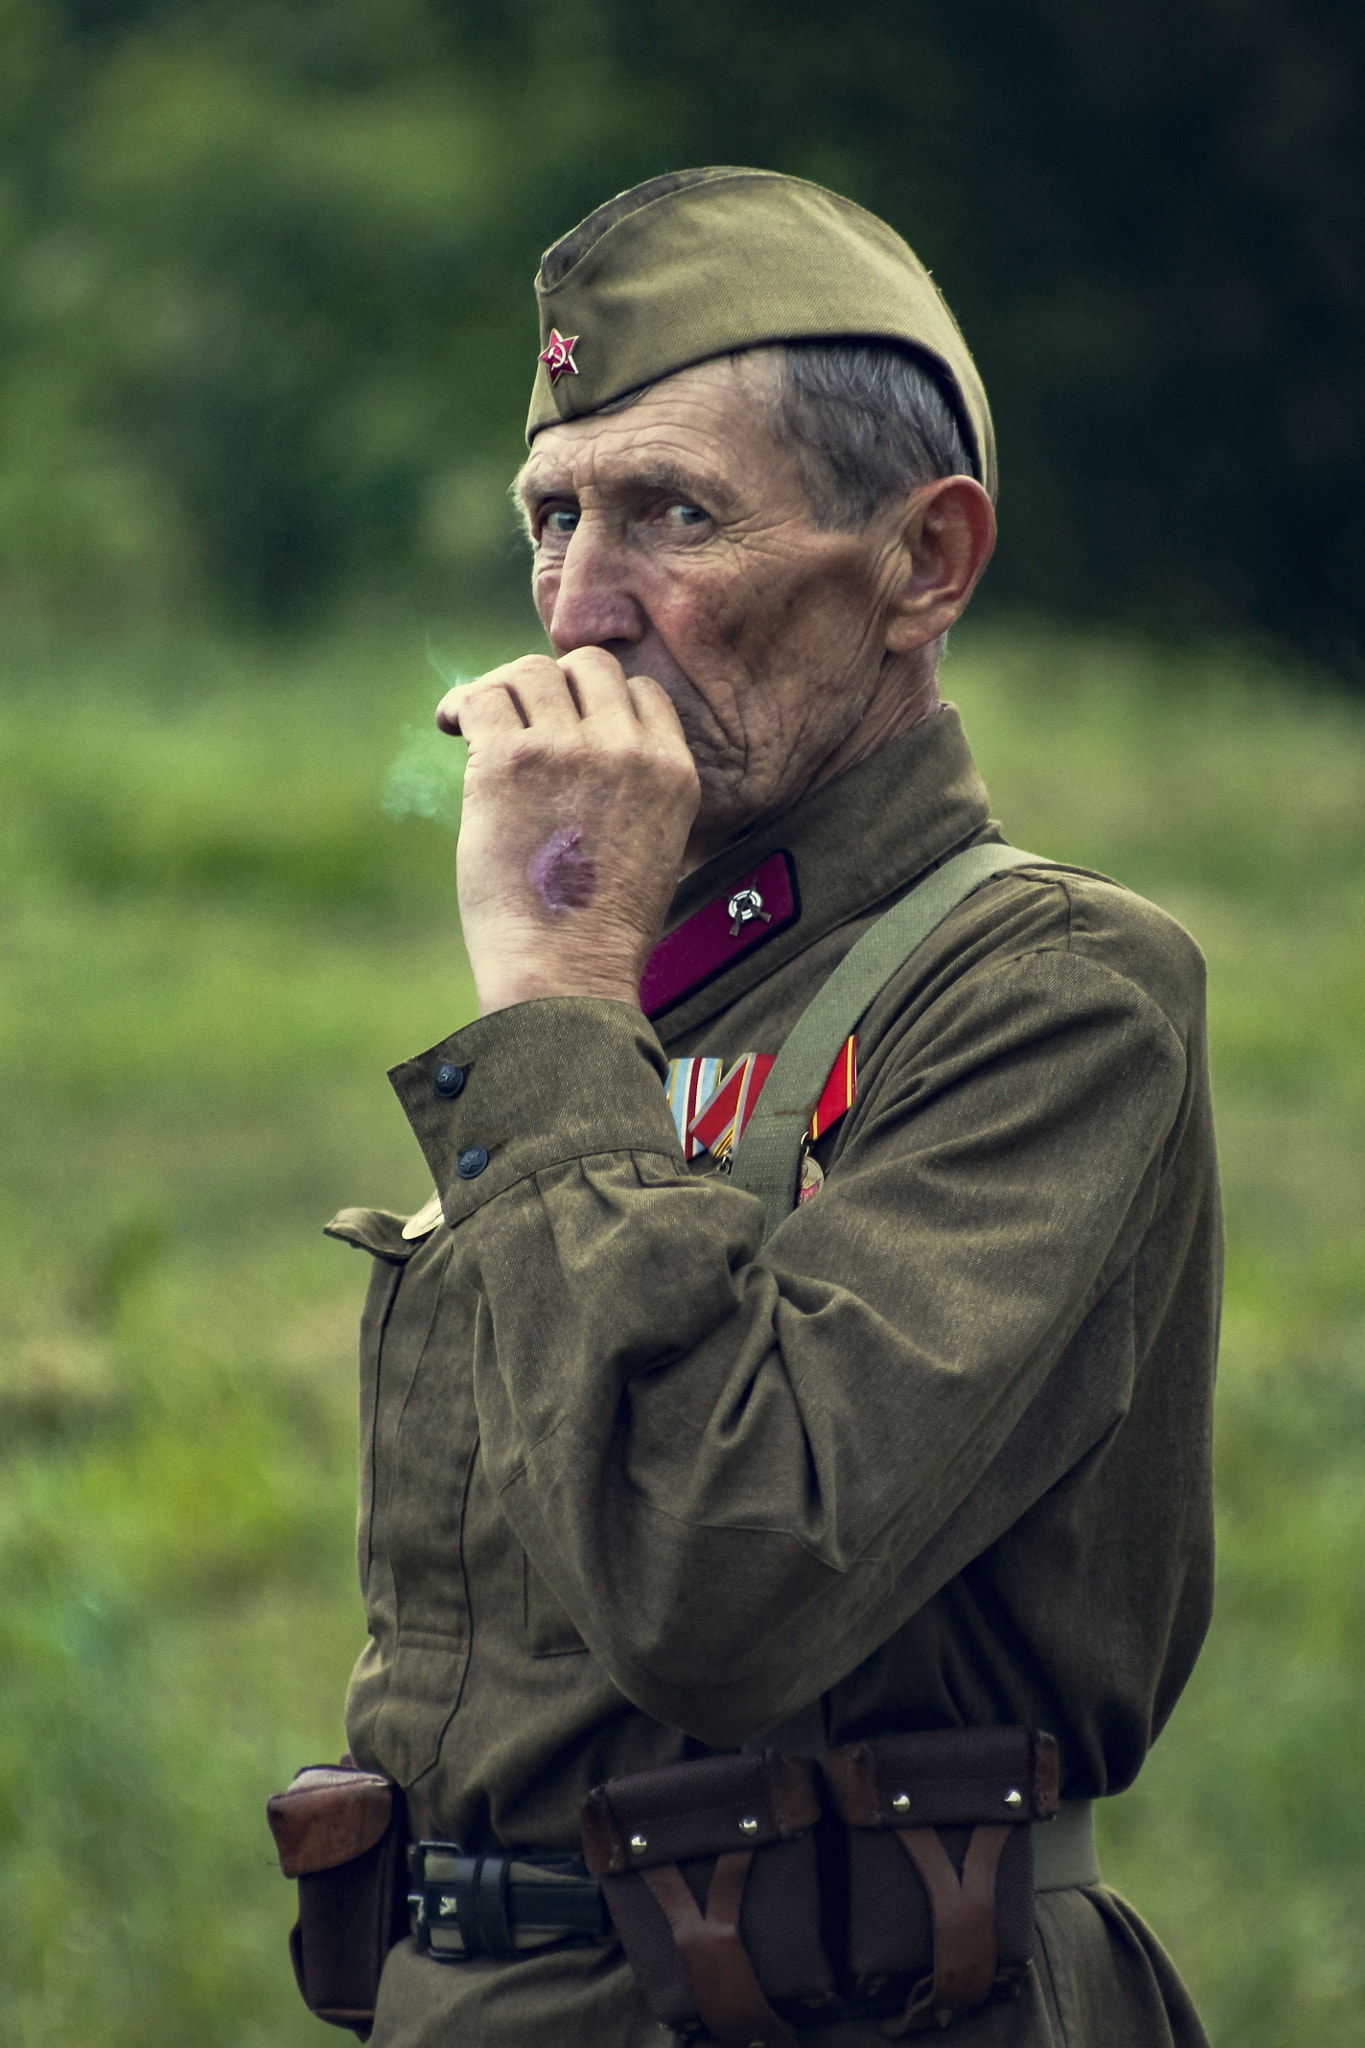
(760, 905)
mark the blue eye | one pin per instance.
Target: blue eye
(561, 521)
(683, 514)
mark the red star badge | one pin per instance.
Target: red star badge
(557, 355)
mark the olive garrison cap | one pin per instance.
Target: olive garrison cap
(699, 263)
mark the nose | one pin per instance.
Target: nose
(586, 599)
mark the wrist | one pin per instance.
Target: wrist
(604, 963)
(501, 991)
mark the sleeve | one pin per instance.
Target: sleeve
(736, 1462)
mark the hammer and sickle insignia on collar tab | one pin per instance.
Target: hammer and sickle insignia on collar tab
(557, 355)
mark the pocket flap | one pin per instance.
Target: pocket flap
(703, 1808)
(330, 1814)
(951, 1777)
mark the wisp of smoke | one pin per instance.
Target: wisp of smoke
(427, 778)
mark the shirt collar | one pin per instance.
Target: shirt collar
(857, 841)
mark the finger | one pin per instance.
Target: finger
(599, 684)
(486, 706)
(511, 683)
(655, 710)
(547, 695)
(477, 707)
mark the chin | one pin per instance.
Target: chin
(722, 815)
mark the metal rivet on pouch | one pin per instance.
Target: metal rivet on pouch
(901, 1803)
(1014, 1797)
(638, 1845)
(748, 1827)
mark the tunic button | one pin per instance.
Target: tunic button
(471, 1162)
(448, 1080)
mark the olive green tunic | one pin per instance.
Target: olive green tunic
(633, 1484)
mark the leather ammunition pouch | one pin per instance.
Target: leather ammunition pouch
(748, 1905)
(940, 1865)
(340, 1831)
(709, 1870)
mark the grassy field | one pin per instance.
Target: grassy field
(214, 941)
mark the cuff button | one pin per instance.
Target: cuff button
(448, 1080)
(471, 1162)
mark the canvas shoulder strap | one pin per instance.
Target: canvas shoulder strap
(768, 1156)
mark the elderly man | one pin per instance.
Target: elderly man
(797, 1449)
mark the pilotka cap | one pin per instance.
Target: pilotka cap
(698, 263)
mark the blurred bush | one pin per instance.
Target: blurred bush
(266, 327)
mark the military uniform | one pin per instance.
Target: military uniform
(635, 1484)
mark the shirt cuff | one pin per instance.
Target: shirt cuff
(533, 1086)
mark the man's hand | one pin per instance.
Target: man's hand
(578, 799)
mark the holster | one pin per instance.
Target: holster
(710, 1875)
(747, 1905)
(341, 1832)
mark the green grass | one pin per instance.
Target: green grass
(213, 943)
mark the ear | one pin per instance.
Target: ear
(946, 538)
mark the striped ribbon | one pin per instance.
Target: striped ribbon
(690, 1085)
(712, 1102)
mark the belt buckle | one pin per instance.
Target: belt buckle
(461, 1906)
(442, 1912)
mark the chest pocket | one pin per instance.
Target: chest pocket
(549, 1631)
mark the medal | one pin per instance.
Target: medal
(837, 1094)
(721, 1124)
(712, 1105)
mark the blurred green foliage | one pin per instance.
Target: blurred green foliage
(214, 942)
(266, 326)
(266, 332)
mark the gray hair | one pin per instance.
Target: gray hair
(866, 422)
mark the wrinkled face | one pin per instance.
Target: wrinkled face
(675, 533)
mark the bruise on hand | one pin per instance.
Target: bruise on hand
(562, 874)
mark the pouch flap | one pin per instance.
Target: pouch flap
(329, 1815)
(697, 1809)
(953, 1777)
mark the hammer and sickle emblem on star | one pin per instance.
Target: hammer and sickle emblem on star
(745, 906)
(557, 355)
